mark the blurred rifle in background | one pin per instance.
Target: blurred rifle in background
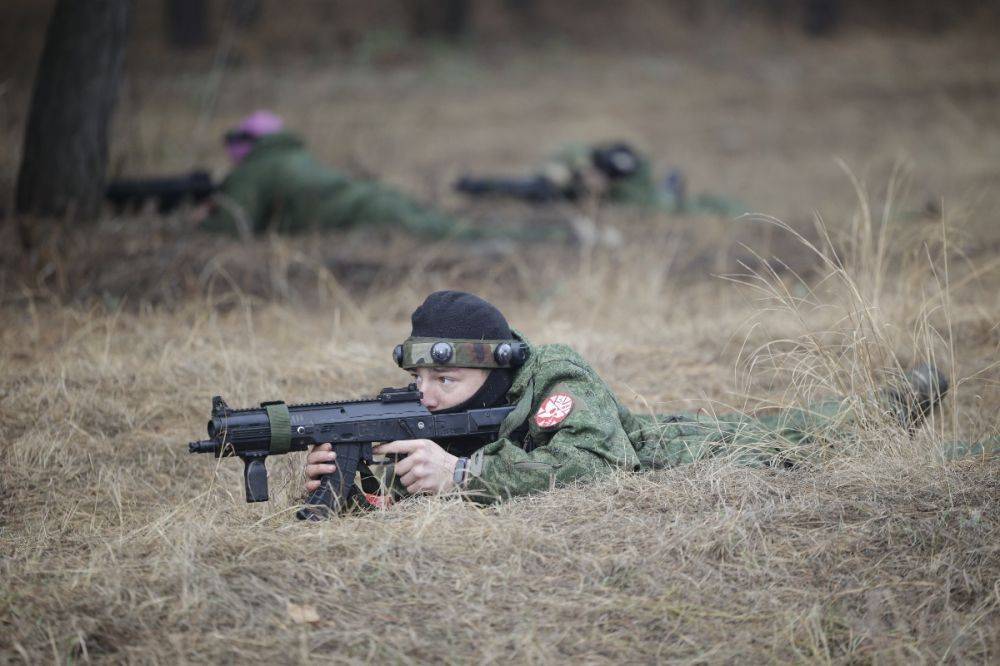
(578, 169)
(537, 189)
(168, 192)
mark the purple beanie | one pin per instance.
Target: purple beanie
(257, 124)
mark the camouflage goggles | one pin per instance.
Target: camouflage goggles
(434, 352)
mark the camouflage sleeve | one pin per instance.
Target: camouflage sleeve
(574, 434)
(238, 206)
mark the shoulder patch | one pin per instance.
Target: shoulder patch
(553, 410)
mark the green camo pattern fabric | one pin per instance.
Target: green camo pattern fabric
(465, 353)
(591, 440)
(640, 188)
(599, 435)
(637, 189)
(282, 187)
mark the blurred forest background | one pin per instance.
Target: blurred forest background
(752, 100)
(870, 128)
(417, 91)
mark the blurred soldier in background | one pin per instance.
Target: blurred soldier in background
(276, 184)
(613, 172)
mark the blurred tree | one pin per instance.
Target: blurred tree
(820, 17)
(187, 22)
(439, 18)
(66, 140)
(245, 13)
(526, 15)
(522, 6)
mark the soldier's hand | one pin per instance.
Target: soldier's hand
(319, 462)
(201, 212)
(427, 468)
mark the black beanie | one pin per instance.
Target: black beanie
(457, 315)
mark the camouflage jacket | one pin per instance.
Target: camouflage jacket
(279, 185)
(637, 189)
(566, 426)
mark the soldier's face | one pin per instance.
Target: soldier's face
(446, 387)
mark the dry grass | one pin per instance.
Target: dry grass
(119, 546)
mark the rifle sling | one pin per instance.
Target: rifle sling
(281, 428)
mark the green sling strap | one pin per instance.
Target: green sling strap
(281, 427)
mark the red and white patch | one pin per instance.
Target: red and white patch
(379, 501)
(555, 408)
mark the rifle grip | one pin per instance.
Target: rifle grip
(335, 488)
(255, 479)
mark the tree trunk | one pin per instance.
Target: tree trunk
(66, 141)
(245, 13)
(439, 18)
(187, 22)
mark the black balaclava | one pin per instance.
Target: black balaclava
(458, 315)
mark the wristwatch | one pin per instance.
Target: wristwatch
(461, 465)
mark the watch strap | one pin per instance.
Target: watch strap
(461, 465)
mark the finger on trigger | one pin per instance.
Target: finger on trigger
(399, 446)
(404, 466)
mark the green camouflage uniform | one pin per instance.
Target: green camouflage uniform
(280, 186)
(637, 189)
(599, 435)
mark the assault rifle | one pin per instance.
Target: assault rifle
(351, 427)
(536, 189)
(615, 160)
(168, 191)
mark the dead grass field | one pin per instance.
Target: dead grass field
(118, 546)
